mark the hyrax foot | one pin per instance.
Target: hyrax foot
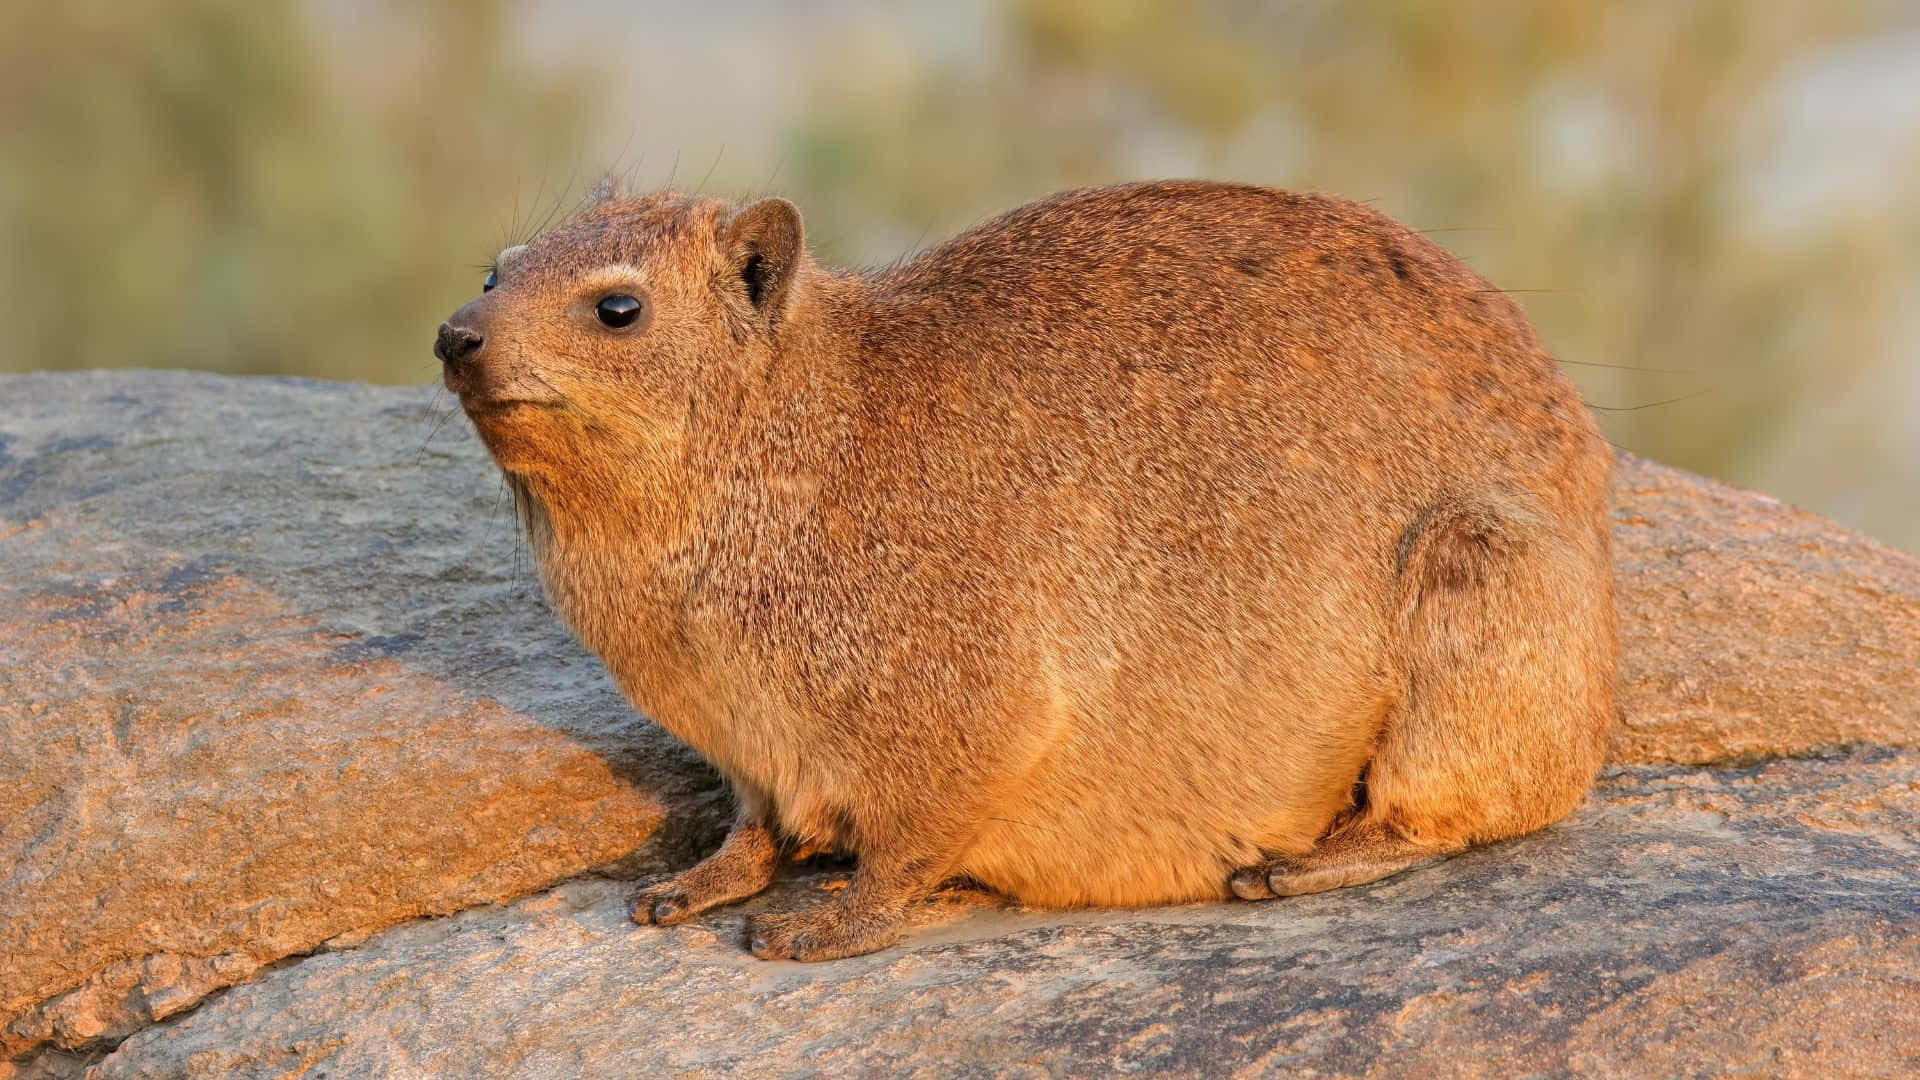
(673, 900)
(1366, 852)
(743, 866)
(828, 932)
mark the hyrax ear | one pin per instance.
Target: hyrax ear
(762, 246)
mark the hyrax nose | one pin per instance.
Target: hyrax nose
(455, 344)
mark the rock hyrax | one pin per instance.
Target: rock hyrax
(1146, 544)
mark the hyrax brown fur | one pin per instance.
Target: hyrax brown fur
(1146, 544)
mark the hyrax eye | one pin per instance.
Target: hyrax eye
(618, 312)
(493, 278)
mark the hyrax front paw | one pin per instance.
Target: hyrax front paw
(742, 867)
(828, 932)
(664, 903)
(676, 899)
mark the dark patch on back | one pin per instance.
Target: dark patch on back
(6, 440)
(1384, 267)
(1397, 261)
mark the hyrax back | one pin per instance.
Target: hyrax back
(1140, 545)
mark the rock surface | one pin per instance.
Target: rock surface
(269, 675)
(1752, 629)
(275, 682)
(1758, 920)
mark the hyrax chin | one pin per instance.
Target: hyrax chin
(1146, 544)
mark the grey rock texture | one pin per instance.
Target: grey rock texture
(277, 689)
(269, 674)
(1751, 629)
(1686, 921)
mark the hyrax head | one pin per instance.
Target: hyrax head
(591, 341)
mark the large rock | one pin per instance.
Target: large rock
(1751, 629)
(275, 681)
(1760, 921)
(271, 673)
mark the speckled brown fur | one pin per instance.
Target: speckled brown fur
(1145, 544)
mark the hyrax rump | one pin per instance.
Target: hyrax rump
(1145, 544)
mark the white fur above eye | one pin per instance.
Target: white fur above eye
(507, 257)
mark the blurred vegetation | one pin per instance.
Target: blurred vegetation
(244, 187)
(1597, 159)
(205, 184)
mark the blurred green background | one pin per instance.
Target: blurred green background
(1710, 207)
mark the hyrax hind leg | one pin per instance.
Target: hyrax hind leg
(1508, 654)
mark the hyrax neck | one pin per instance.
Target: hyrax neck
(661, 568)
